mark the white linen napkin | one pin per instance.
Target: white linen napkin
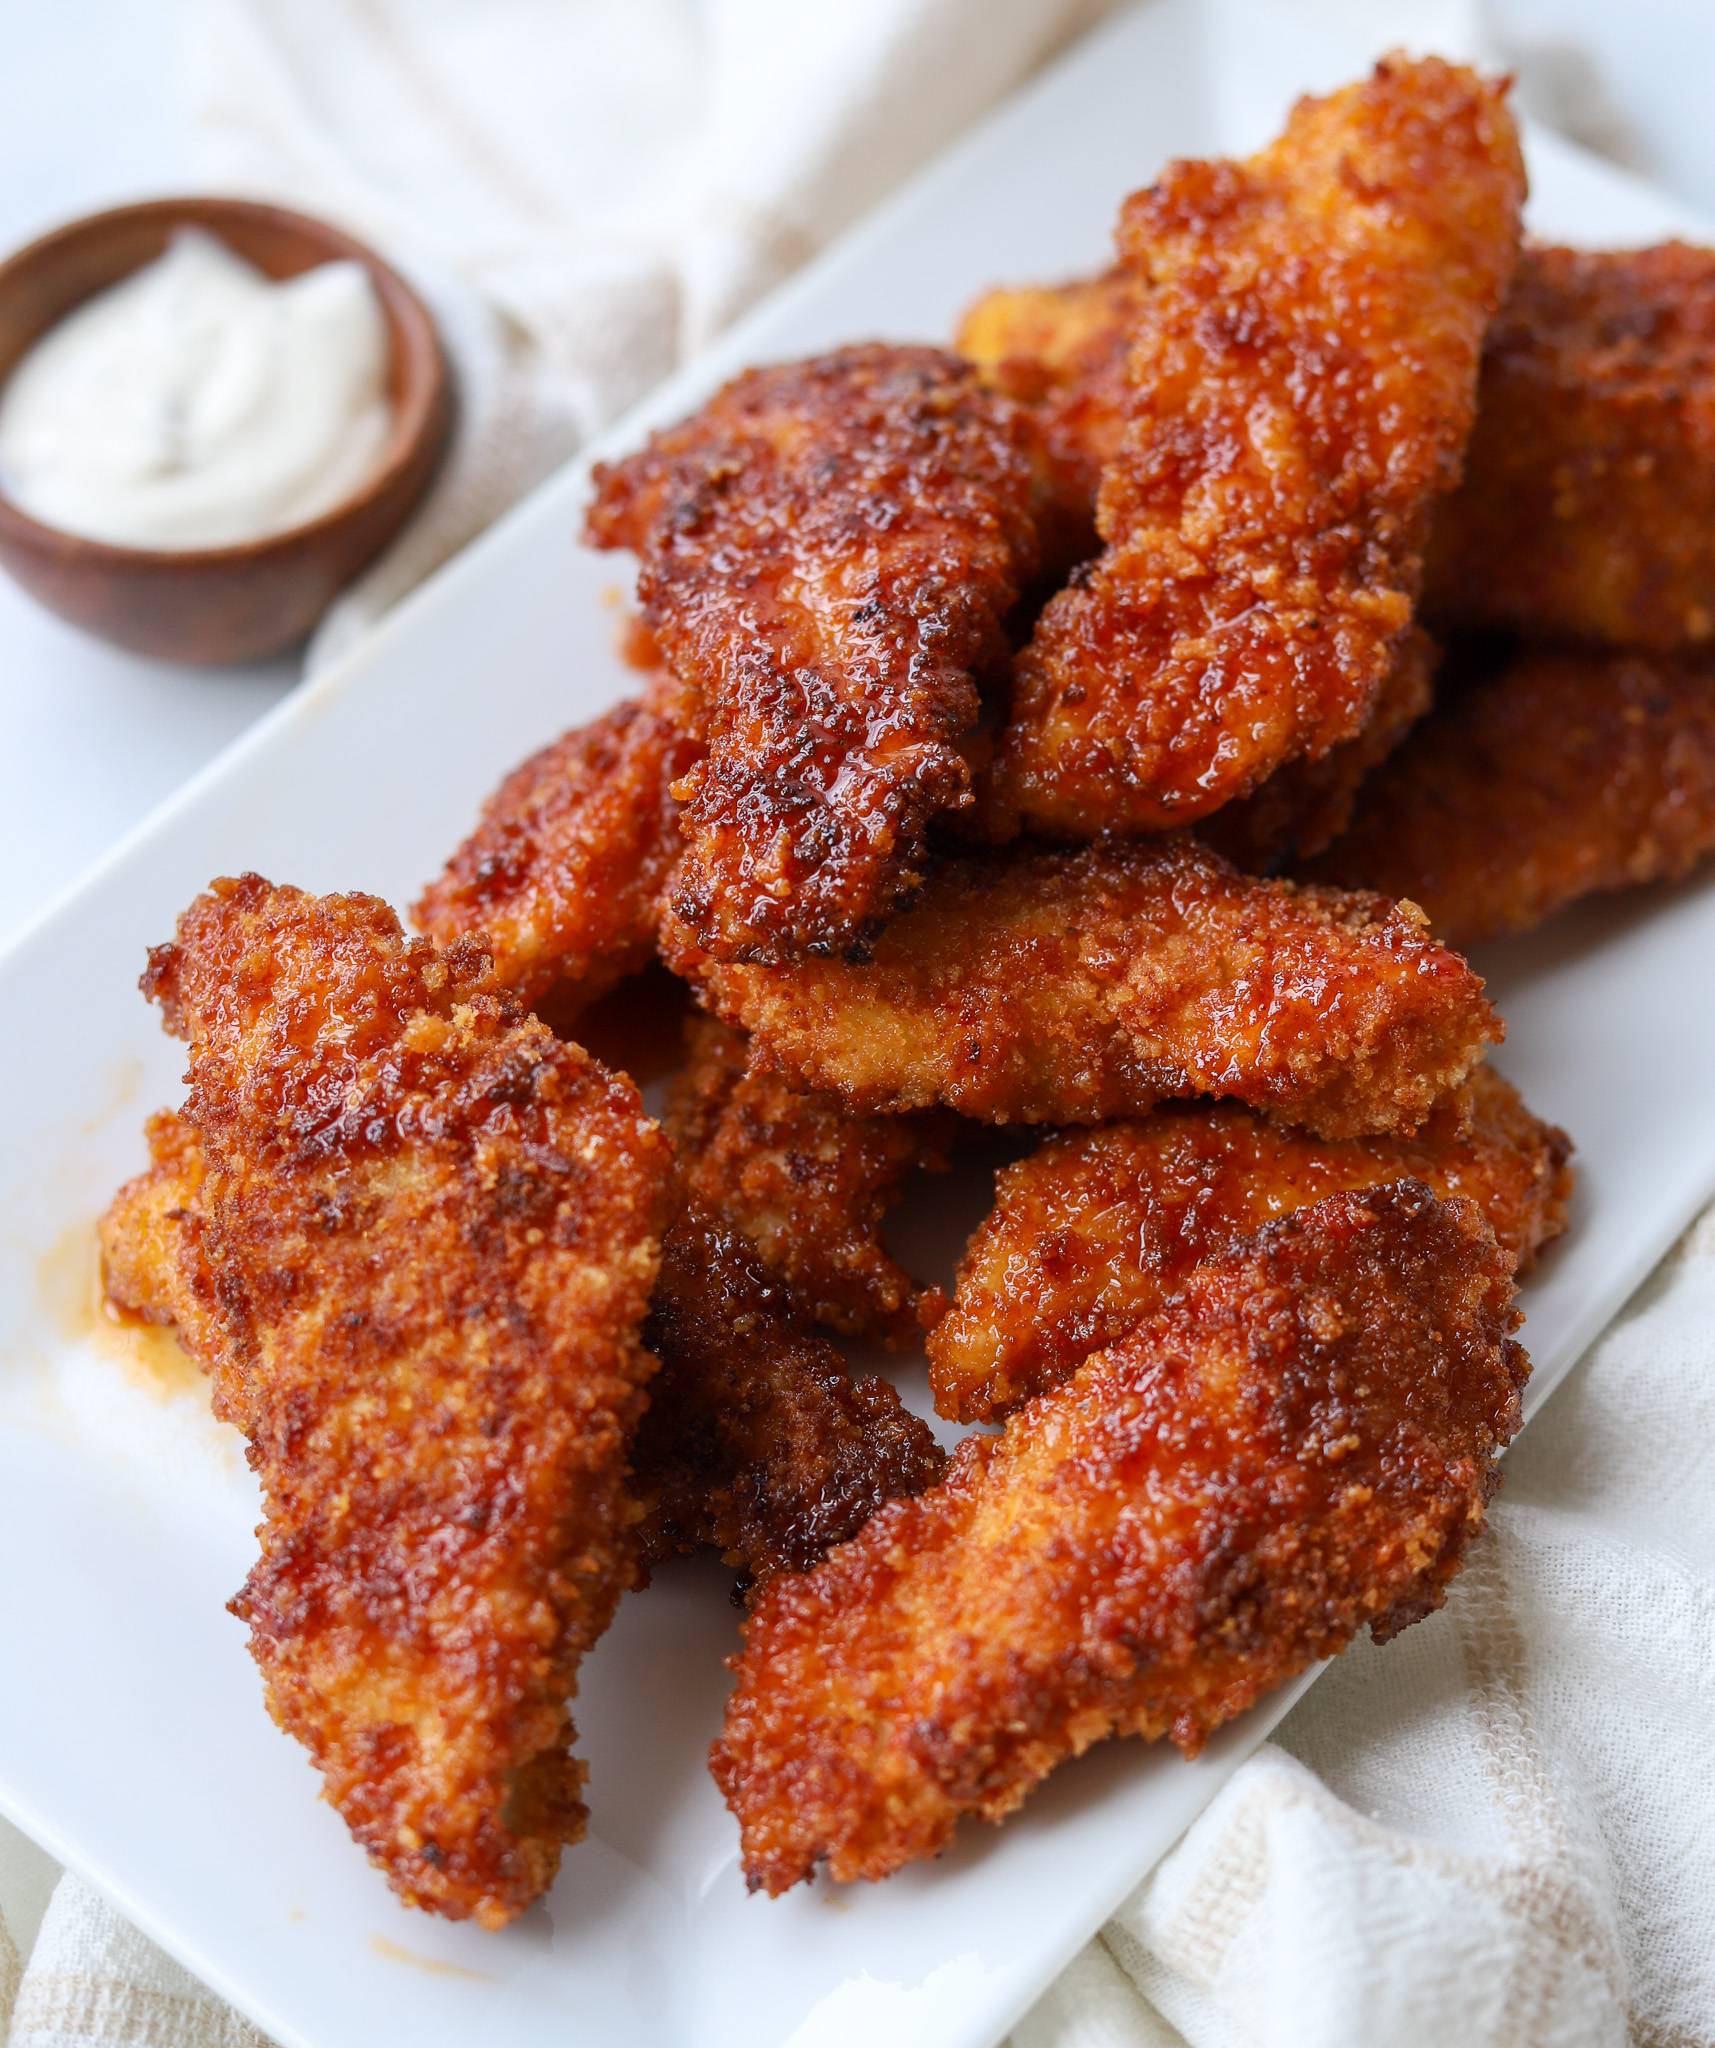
(1496, 1832)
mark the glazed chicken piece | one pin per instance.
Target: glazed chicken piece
(1299, 1444)
(758, 1442)
(1046, 987)
(828, 552)
(804, 1181)
(564, 872)
(1098, 1229)
(1587, 510)
(1588, 506)
(1557, 775)
(1300, 392)
(420, 1250)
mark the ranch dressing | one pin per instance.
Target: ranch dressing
(198, 403)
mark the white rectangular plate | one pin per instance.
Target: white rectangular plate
(133, 1743)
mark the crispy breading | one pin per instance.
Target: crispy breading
(1063, 349)
(1307, 804)
(428, 1233)
(1560, 774)
(152, 1264)
(1588, 506)
(1301, 388)
(1097, 1229)
(1300, 1443)
(829, 551)
(1587, 509)
(1048, 987)
(564, 871)
(805, 1181)
(758, 1441)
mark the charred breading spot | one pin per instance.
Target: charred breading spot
(758, 1442)
(415, 1239)
(806, 1182)
(1299, 1445)
(1047, 987)
(1301, 385)
(1097, 1229)
(1559, 774)
(564, 872)
(829, 552)
(1588, 506)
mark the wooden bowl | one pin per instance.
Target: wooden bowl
(236, 603)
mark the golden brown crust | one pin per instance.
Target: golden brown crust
(429, 1231)
(1299, 1445)
(564, 871)
(1072, 987)
(1097, 1229)
(829, 551)
(1302, 385)
(803, 1180)
(758, 1442)
(1559, 775)
(1588, 506)
(1306, 805)
(152, 1264)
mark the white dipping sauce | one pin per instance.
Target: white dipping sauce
(199, 403)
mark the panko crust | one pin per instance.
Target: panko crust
(1560, 774)
(804, 1181)
(430, 1234)
(1049, 987)
(1097, 1229)
(1300, 1444)
(563, 874)
(1306, 805)
(1301, 389)
(828, 555)
(758, 1442)
(1588, 506)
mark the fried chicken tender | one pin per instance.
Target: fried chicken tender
(1588, 506)
(1300, 1443)
(1049, 987)
(758, 1441)
(564, 872)
(803, 1180)
(1098, 1229)
(829, 551)
(424, 1238)
(1301, 389)
(1559, 775)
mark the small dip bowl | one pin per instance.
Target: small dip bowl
(238, 603)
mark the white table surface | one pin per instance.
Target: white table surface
(93, 111)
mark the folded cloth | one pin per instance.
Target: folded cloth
(1497, 1831)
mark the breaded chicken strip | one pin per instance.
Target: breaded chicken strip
(152, 1263)
(1587, 509)
(758, 1442)
(805, 1181)
(564, 871)
(1300, 1443)
(1044, 987)
(1588, 506)
(829, 551)
(1097, 1229)
(1559, 775)
(1301, 389)
(427, 1233)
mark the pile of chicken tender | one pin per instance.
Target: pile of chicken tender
(1111, 726)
